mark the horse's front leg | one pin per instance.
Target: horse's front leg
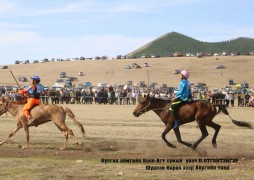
(204, 133)
(26, 128)
(179, 139)
(165, 132)
(11, 134)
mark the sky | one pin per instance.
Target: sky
(38, 29)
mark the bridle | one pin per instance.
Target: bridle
(5, 108)
(145, 109)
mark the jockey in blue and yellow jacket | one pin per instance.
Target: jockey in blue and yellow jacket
(183, 94)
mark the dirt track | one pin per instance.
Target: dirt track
(112, 132)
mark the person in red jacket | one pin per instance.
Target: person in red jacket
(33, 91)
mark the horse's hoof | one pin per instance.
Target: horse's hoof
(172, 146)
(214, 145)
(62, 148)
(193, 147)
(24, 147)
(81, 145)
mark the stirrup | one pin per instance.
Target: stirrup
(176, 124)
(30, 121)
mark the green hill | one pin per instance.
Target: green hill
(173, 42)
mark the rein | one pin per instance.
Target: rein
(144, 110)
(161, 108)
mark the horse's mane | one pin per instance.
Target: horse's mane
(17, 102)
(160, 99)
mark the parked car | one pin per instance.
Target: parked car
(200, 54)
(228, 88)
(46, 88)
(245, 85)
(146, 65)
(178, 54)
(62, 74)
(81, 73)
(154, 56)
(176, 71)
(219, 67)
(176, 91)
(82, 58)
(143, 56)
(230, 82)
(70, 78)
(132, 57)
(26, 62)
(102, 84)
(127, 67)
(5, 67)
(135, 66)
(216, 90)
(242, 85)
(118, 57)
(22, 79)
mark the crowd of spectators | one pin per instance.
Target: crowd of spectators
(128, 96)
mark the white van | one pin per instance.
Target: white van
(81, 73)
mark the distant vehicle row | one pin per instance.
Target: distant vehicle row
(143, 56)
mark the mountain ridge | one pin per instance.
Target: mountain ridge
(172, 42)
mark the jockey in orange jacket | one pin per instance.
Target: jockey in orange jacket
(33, 92)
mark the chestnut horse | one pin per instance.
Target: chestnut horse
(201, 111)
(41, 114)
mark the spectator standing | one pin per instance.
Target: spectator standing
(246, 99)
(232, 99)
(78, 96)
(134, 97)
(239, 100)
(227, 99)
(117, 100)
(128, 97)
(121, 97)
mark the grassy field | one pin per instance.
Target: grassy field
(113, 133)
(239, 68)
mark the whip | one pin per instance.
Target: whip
(14, 78)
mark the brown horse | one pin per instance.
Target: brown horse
(41, 114)
(201, 111)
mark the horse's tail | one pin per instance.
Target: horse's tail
(222, 108)
(72, 116)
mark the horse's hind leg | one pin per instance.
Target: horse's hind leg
(165, 132)
(204, 135)
(63, 128)
(18, 127)
(216, 127)
(179, 139)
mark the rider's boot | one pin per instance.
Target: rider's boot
(30, 119)
(176, 122)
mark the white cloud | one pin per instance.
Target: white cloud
(218, 33)
(33, 46)
(14, 37)
(110, 44)
(7, 6)
(28, 8)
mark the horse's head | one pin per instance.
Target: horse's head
(143, 106)
(3, 105)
